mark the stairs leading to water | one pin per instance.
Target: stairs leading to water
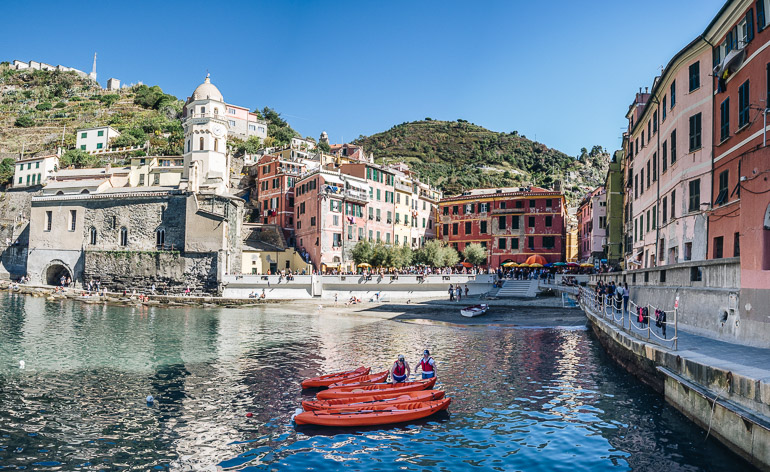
(517, 288)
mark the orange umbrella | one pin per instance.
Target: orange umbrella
(466, 264)
(536, 259)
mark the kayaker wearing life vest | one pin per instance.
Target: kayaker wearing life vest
(400, 370)
(427, 364)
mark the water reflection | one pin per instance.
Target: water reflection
(526, 399)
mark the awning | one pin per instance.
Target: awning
(332, 179)
(358, 185)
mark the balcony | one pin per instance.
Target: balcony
(402, 186)
(357, 195)
(202, 116)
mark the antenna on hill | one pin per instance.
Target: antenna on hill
(92, 75)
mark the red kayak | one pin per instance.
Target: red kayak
(363, 380)
(373, 415)
(356, 403)
(364, 390)
(328, 379)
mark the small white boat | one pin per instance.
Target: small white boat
(475, 310)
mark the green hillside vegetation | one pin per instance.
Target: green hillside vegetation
(458, 155)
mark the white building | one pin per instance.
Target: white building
(113, 84)
(95, 139)
(34, 171)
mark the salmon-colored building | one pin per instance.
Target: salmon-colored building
(274, 179)
(739, 220)
(592, 225)
(512, 223)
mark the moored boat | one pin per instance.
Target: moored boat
(363, 380)
(373, 415)
(356, 403)
(475, 310)
(364, 390)
(328, 379)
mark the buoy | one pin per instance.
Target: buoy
(150, 400)
(296, 412)
(22, 364)
(249, 415)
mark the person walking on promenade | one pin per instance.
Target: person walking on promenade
(427, 364)
(459, 291)
(400, 370)
(625, 297)
(466, 290)
(451, 293)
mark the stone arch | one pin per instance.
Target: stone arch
(85, 191)
(54, 271)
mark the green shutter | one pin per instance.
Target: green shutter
(750, 25)
(760, 15)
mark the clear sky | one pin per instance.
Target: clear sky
(563, 72)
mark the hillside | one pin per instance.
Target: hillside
(457, 155)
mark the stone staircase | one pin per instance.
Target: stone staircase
(517, 289)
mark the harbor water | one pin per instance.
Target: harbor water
(74, 379)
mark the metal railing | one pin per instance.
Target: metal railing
(633, 318)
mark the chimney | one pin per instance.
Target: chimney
(645, 90)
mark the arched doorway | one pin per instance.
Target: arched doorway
(54, 272)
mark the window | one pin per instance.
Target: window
(519, 204)
(482, 226)
(532, 203)
(694, 202)
(641, 226)
(531, 222)
(515, 222)
(312, 221)
(501, 243)
(548, 203)
(337, 240)
(92, 236)
(655, 121)
(636, 186)
(37, 165)
(648, 174)
(514, 243)
(654, 166)
(231, 123)
(200, 148)
(445, 230)
(387, 238)
(502, 222)
(455, 228)
(664, 207)
(468, 208)
(123, 236)
(664, 157)
(718, 247)
(641, 181)
(673, 94)
(73, 219)
(722, 195)
(455, 210)
(141, 179)
(336, 220)
(737, 244)
(216, 145)
(83, 147)
(673, 204)
(648, 222)
(724, 114)
(663, 109)
(379, 236)
(654, 214)
(549, 242)
(531, 242)
(467, 227)
(695, 76)
(446, 211)
(548, 221)
(83, 135)
(743, 105)
(673, 147)
(160, 237)
(762, 6)
(695, 132)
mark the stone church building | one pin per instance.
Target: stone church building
(186, 236)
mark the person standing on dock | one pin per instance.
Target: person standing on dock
(427, 364)
(400, 370)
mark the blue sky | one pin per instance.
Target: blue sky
(563, 72)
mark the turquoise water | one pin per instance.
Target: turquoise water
(523, 399)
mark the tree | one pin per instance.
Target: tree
(436, 253)
(324, 146)
(45, 106)
(449, 256)
(24, 121)
(362, 252)
(152, 97)
(475, 253)
(7, 167)
(252, 145)
(79, 159)
(109, 100)
(131, 137)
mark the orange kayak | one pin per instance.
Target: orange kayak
(364, 390)
(363, 380)
(328, 379)
(373, 415)
(356, 403)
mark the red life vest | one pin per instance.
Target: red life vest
(399, 369)
(426, 365)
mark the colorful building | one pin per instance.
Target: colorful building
(613, 184)
(274, 179)
(668, 157)
(512, 223)
(592, 222)
(739, 217)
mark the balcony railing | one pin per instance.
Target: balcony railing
(216, 116)
(357, 195)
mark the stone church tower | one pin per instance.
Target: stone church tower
(206, 162)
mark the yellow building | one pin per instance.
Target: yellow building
(156, 171)
(572, 245)
(265, 252)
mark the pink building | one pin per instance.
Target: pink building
(669, 160)
(592, 226)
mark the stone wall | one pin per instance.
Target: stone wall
(171, 272)
(14, 231)
(710, 298)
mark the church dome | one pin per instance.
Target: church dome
(207, 90)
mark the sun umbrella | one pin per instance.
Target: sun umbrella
(466, 264)
(550, 264)
(586, 264)
(536, 259)
(364, 265)
(572, 264)
(524, 265)
(510, 264)
(536, 265)
(560, 264)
